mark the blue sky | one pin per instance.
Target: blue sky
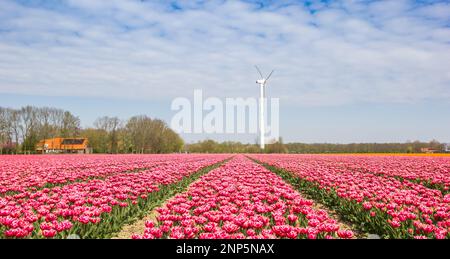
(346, 71)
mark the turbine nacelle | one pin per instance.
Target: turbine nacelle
(261, 81)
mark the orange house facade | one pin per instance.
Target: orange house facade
(63, 145)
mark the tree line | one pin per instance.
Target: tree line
(407, 147)
(21, 129)
(139, 134)
(211, 146)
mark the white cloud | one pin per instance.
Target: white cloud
(343, 53)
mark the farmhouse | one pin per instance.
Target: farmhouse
(428, 150)
(63, 145)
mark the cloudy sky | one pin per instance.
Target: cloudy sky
(346, 71)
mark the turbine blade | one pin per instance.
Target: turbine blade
(259, 71)
(269, 75)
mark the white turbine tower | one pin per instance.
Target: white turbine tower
(262, 85)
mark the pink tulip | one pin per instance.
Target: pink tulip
(84, 219)
(292, 218)
(312, 236)
(292, 234)
(313, 223)
(367, 205)
(230, 227)
(251, 232)
(345, 233)
(149, 224)
(136, 236)
(49, 233)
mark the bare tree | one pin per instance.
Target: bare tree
(114, 125)
(4, 134)
(16, 127)
(45, 128)
(28, 120)
(70, 125)
(110, 125)
(152, 136)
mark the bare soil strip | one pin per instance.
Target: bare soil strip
(138, 227)
(341, 222)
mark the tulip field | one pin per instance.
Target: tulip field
(91, 199)
(392, 196)
(225, 196)
(241, 200)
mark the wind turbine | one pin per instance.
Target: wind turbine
(262, 84)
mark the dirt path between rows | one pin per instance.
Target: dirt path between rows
(138, 226)
(332, 214)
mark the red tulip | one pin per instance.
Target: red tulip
(230, 227)
(84, 219)
(292, 234)
(49, 233)
(135, 236)
(292, 218)
(345, 233)
(367, 205)
(149, 224)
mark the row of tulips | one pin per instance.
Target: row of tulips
(431, 171)
(30, 173)
(241, 199)
(382, 205)
(98, 207)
